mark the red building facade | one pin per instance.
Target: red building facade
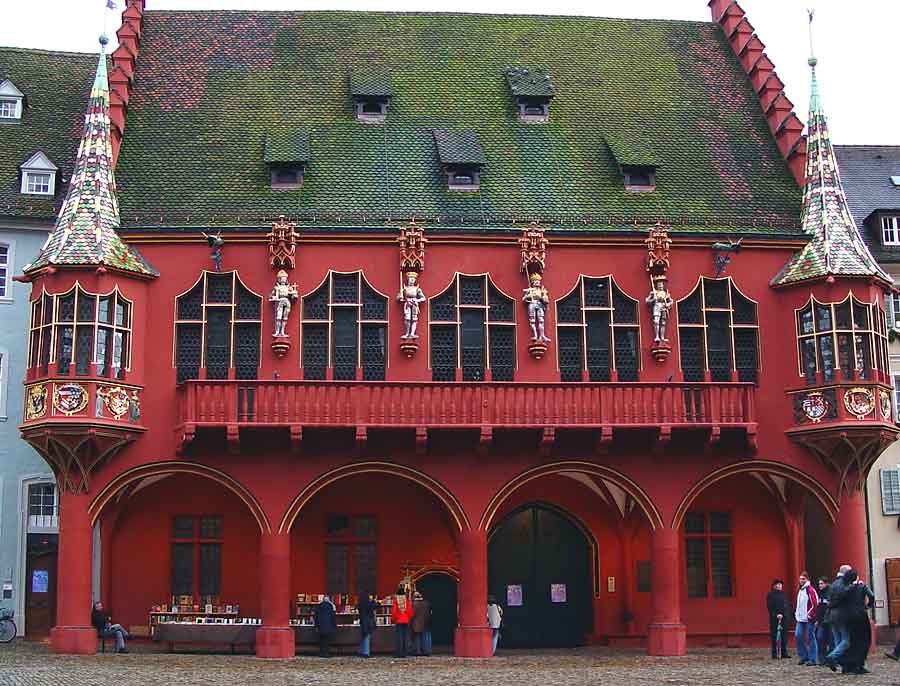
(628, 490)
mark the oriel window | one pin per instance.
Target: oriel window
(718, 332)
(473, 328)
(344, 327)
(598, 332)
(850, 335)
(217, 327)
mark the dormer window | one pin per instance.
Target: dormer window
(532, 90)
(461, 158)
(890, 229)
(371, 92)
(11, 99)
(38, 175)
(287, 155)
(637, 162)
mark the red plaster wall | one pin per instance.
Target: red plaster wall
(137, 552)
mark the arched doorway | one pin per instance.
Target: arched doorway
(440, 590)
(539, 563)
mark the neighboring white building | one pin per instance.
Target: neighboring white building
(871, 178)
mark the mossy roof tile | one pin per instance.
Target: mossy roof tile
(529, 82)
(287, 145)
(370, 83)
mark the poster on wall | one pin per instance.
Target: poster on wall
(557, 593)
(40, 581)
(514, 595)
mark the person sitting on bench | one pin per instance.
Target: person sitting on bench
(105, 629)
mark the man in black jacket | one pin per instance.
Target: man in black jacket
(100, 621)
(776, 604)
(823, 628)
(326, 625)
(859, 598)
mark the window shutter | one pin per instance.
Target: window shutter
(890, 491)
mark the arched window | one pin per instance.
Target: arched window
(718, 332)
(473, 327)
(81, 328)
(345, 328)
(598, 331)
(217, 327)
(850, 335)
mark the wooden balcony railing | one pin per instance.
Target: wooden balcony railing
(424, 405)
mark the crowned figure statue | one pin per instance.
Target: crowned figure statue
(537, 299)
(412, 297)
(283, 295)
(659, 302)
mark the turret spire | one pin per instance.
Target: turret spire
(835, 247)
(85, 231)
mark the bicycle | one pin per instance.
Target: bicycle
(7, 625)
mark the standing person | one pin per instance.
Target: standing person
(401, 614)
(421, 625)
(366, 609)
(105, 629)
(807, 600)
(777, 606)
(858, 627)
(326, 625)
(823, 629)
(495, 621)
(836, 616)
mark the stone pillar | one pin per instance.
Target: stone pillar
(848, 535)
(73, 633)
(275, 638)
(473, 637)
(666, 634)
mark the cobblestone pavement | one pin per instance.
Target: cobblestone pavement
(32, 664)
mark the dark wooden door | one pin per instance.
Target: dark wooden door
(40, 580)
(440, 591)
(538, 549)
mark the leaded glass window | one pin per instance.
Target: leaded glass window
(344, 328)
(472, 325)
(598, 332)
(718, 332)
(78, 329)
(849, 335)
(217, 328)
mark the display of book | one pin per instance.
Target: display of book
(184, 610)
(345, 606)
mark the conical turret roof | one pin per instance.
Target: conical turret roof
(835, 247)
(85, 231)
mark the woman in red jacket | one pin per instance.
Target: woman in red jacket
(401, 615)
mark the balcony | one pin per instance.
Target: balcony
(604, 407)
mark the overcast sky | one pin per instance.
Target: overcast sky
(856, 42)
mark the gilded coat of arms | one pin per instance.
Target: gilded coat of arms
(859, 401)
(35, 402)
(885, 399)
(815, 406)
(115, 399)
(69, 398)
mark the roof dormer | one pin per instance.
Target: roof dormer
(371, 92)
(461, 158)
(532, 90)
(287, 154)
(11, 99)
(38, 175)
(636, 160)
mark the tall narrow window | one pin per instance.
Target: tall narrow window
(718, 332)
(350, 554)
(473, 329)
(217, 327)
(5, 281)
(196, 556)
(850, 336)
(77, 329)
(708, 553)
(598, 331)
(345, 328)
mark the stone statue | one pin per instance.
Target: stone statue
(412, 297)
(660, 303)
(134, 408)
(216, 243)
(537, 299)
(283, 295)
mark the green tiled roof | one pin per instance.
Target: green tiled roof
(631, 149)
(458, 147)
(287, 145)
(240, 74)
(529, 82)
(835, 247)
(85, 229)
(57, 87)
(370, 83)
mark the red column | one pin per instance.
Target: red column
(275, 638)
(848, 535)
(73, 633)
(666, 634)
(473, 637)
